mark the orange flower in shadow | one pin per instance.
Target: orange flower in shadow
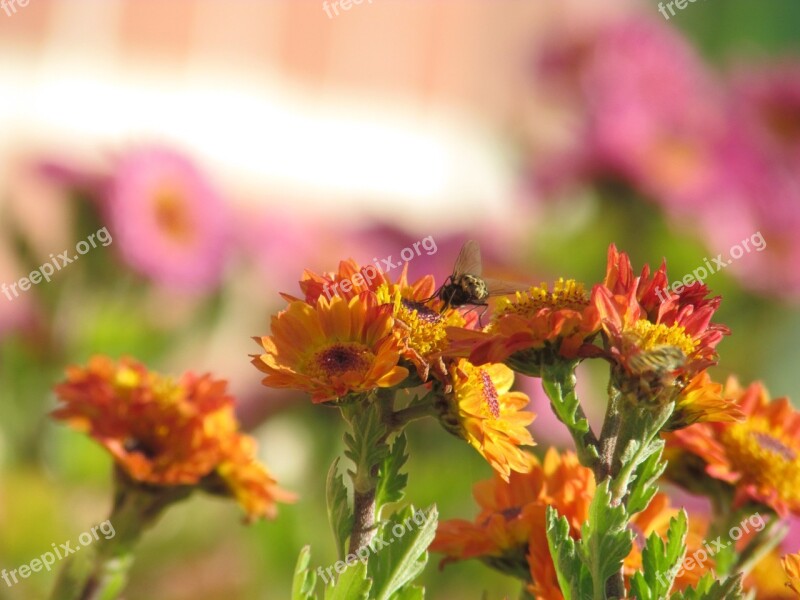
(165, 432)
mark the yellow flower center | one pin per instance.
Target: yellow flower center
(424, 327)
(567, 293)
(340, 358)
(765, 457)
(172, 215)
(649, 336)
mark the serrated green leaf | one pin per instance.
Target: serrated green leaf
(352, 584)
(573, 576)
(660, 562)
(340, 516)
(392, 483)
(605, 538)
(304, 581)
(558, 382)
(643, 486)
(397, 559)
(709, 589)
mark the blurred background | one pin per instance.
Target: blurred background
(220, 148)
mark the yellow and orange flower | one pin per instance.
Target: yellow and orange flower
(703, 401)
(163, 432)
(509, 532)
(420, 323)
(332, 348)
(531, 329)
(481, 409)
(759, 456)
(772, 577)
(791, 566)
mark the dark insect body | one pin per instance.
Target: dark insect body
(466, 286)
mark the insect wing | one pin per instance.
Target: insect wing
(469, 260)
(497, 287)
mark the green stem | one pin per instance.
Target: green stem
(103, 574)
(365, 474)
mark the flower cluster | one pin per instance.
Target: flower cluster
(378, 334)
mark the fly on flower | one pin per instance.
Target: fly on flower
(467, 286)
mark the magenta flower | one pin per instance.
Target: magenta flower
(769, 98)
(168, 221)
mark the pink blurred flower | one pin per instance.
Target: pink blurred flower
(168, 221)
(769, 98)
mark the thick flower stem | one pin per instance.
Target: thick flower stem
(371, 426)
(363, 520)
(609, 437)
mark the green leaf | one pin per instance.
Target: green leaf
(340, 516)
(573, 576)
(644, 485)
(605, 539)
(399, 550)
(660, 562)
(304, 580)
(352, 584)
(392, 483)
(709, 589)
(410, 593)
(558, 382)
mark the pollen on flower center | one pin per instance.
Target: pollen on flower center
(650, 336)
(490, 394)
(424, 313)
(341, 358)
(567, 293)
(762, 456)
(772, 444)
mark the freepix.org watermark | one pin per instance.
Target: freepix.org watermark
(754, 522)
(715, 265)
(369, 273)
(331, 7)
(60, 551)
(377, 544)
(10, 6)
(679, 4)
(56, 263)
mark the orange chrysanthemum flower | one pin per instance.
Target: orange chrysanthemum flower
(791, 566)
(513, 512)
(639, 314)
(163, 432)
(701, 401)
(482, 410)
(509, 532)
(759, 456)
(333, 348)
(531, 329)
